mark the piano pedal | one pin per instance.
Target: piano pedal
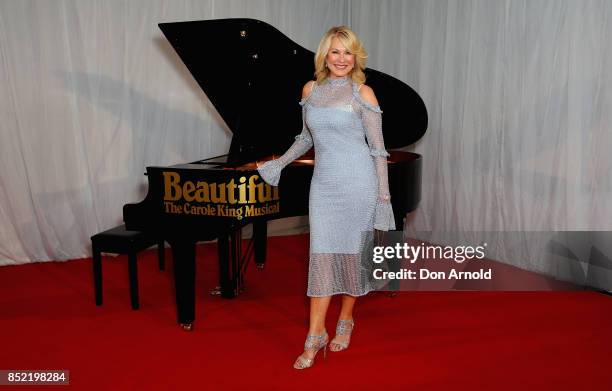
(260, 266)
(216, 291)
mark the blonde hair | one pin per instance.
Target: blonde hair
(350, 41)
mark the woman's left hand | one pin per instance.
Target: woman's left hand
(386, 198)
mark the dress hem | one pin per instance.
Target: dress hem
(341, 293)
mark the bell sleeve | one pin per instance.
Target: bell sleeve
(270, 171)
(372, 123)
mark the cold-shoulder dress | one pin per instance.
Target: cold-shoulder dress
(348, 187)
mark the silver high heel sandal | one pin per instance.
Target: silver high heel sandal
(313, 342)
(344, 327)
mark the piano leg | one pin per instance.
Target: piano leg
(183, 254)
(236, 261)
(231, 264)
(227, 279)
(97, 272)
(260, 239)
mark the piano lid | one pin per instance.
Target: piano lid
(253, 74)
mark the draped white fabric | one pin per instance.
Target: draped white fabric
(91, 94)
(518, 93)
(519, 97)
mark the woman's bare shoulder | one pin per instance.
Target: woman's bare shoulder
(367, 94)
(307, 89)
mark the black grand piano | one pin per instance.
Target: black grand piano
(253, 75)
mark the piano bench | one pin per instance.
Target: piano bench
(118, 240)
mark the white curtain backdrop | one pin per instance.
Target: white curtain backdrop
(518, 93)
(92, 93)
(519, 97)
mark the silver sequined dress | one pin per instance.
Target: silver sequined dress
(349, 175)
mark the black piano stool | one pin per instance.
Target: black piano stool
(118, 240)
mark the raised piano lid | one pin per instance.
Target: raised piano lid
(253, 74)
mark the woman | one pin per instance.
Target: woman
(349, 192)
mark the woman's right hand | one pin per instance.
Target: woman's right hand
(270, 171)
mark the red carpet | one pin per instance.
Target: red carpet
(424, 341)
